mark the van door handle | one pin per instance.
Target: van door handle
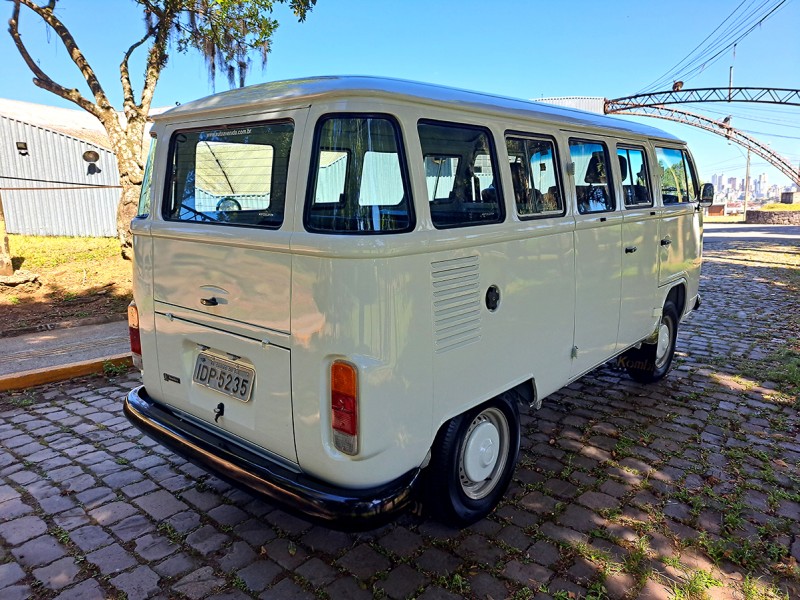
(666, 242)
(630, 249)
(209, 301)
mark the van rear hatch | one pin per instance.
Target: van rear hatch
(222, 279)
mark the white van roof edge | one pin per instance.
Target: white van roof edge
(294, 91)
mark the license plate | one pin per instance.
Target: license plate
(224, 376)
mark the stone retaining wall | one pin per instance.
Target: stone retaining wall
(773, 217)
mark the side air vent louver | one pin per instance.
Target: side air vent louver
(456, 303)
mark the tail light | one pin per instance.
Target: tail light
(344, 407)
(133, 333)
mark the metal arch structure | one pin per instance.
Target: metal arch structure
(729, 94)
(652, 105)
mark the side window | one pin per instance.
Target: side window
(533, 170)
(359, 181)
(635, 179)
(230, 176)
(677, 176)
(592, 189)
(144, 194)
(460, 173)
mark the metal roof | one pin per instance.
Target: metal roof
(298, 92)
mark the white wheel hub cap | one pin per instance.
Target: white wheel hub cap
(663, 342)
(481, 452)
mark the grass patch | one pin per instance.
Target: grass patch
(45, 252)
(780, 206)
(695, 586)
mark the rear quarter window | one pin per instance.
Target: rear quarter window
(230, 176)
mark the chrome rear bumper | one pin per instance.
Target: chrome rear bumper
(340, 508)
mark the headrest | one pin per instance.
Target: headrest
(623, 167)
(596, 171)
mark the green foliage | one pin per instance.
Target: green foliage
(225, 32)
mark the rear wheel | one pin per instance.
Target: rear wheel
(473, 459)
(651, 362)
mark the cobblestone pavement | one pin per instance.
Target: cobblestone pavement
(679, 489)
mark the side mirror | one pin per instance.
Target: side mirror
(707, 195)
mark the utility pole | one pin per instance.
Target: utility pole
(746, 186)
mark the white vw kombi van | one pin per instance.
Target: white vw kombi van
(346, 287)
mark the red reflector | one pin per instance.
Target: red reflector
(343, 414)
(133, 329)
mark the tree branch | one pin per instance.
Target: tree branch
(77, 56)
(41, 79)
(129, 101)
(156, 58)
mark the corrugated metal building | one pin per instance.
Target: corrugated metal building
(57, 174)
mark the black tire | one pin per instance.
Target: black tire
(651, 362)
(465, 480)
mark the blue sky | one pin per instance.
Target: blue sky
(524, 49)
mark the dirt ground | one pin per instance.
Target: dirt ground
(63, 279)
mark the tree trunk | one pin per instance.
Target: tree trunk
(126, 211)
(6, 268)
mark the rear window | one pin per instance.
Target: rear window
(359, 181)
(230, 176)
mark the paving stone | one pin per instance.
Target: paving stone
(197, 584)
(237, 556)
(255, 532)
(259, 575)
(597, 501)
(227, 515)
(322, 539)
(132, 527)
(316, 572)
(185, 521)
(362, 561)
(478, 549)
(138, 584)
(285, 552)
(13, 508)
(288, 523)
(401, 582)
(39, 551)
(154, 547)
(206, 540)
(111, 559)
(618, 585)
(17, 592)
(160, 505)
(484, 585)
(581, 519)
(139, 488)
(530, 575)
(344, 587)
(90, 538)
(59, 574)
(88, 589)
(10, 573)
(94, 497)
(113, 512)
(175, 566)
(437, 562)
(286, 589)
(544, 553)
(23, 529)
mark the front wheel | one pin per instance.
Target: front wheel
(473, 459)
(651, 362)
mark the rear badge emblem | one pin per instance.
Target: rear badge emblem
(172, 378)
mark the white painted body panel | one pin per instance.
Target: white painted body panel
(407, 309)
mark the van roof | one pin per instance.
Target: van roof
(298, 92)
